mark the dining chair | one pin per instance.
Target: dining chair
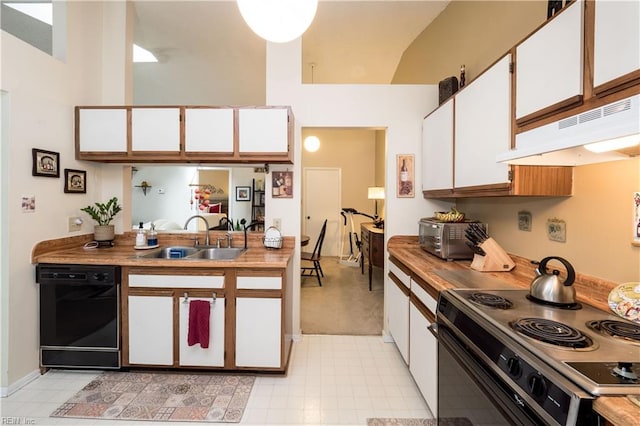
(313, 259)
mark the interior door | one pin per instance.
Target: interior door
(321, 199)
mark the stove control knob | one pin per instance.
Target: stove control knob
(537, 386)
(514, 368)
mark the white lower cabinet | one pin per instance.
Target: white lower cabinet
(150, 327)
(197, 356)
(424, 357)
(258, 332)
(399, 318)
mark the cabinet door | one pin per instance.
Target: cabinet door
(102, 130)
(549, 64)
(437, 148)
(208, 130)
(263, 130)
(483, 127)
(150, 322)
(258, 332)
(617, 40)
(424, 357)
(155, 129)
(398, 308)
(196, 356)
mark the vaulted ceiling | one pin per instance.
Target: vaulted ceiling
(348, 41)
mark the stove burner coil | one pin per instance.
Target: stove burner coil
(491, 300)
(553, 332)
(621, 329)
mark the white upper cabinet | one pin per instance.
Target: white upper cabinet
(617, 40)
(155, 129)
(437, 148)
(208, 130)
(263, 130)
(102, 130)
(549, 63)
(483, 127)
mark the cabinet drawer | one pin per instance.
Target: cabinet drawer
(425, 298)
(177, 281)
(395, 270)
(259, 283)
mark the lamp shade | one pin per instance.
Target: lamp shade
(279, 21)
(375, 193)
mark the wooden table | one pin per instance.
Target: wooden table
(372, 247)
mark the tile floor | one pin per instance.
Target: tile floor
(332, 380)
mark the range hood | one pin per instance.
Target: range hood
(562, 143)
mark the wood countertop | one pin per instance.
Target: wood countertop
(619, 410)
(70, 251)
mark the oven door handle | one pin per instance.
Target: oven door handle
(433, 328)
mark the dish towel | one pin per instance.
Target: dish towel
(199, 311)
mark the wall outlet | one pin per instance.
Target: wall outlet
(75, 223)
(278, 223)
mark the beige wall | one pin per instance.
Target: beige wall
(599, 221)
(474, 33)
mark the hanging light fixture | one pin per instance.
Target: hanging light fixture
(311, 143)
(279, 21)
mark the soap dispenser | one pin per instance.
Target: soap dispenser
(141, 236)
(152, 238)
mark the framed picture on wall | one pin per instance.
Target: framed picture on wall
(243, 193)
(405, 180)
(45, 163)
(75, 181)
(282, 185)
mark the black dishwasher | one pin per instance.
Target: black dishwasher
(79, 315)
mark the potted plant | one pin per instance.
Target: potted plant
(103, 214)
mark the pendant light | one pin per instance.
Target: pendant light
(278, 21)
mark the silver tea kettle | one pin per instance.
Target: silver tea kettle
(548, 288)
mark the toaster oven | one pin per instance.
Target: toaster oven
(446, 240)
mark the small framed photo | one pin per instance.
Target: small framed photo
(45, 163)
(282, 185)
(243, 193)
(75, 181)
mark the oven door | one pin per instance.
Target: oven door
(468, 392)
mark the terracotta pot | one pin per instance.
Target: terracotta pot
(104, 232)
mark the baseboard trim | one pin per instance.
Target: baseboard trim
(16, 386)
(387, 338)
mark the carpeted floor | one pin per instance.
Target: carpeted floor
(161, 397)
(343, 305)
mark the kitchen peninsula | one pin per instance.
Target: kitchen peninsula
(426, 275)
(250, 299)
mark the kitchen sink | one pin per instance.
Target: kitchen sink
(182, 252)
(173, 252)
(215, 253)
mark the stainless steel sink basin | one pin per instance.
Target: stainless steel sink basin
(173, 252)
(215, 253)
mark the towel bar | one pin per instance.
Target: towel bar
(186, 298)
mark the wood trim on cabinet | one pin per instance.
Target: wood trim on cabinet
(430, 316)
(552, 110)
(398, 263)
(400, 284)
(542, 180)
(426, 286)
(628, 80)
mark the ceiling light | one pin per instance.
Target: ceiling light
(279, 21)
(614, 144)
(311, 143)
(143, 55)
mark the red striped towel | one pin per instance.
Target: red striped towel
(199, 311)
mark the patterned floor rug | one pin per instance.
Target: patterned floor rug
(161, 396)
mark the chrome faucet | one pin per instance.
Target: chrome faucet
(228, 238)
(206, 238)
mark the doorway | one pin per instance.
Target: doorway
(337, 176)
